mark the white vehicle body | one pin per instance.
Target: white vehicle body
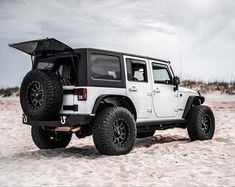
(153, 101)
(115, 97)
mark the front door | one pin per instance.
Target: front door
(138, 86)
(164, 96)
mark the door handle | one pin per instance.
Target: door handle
(133, 89)
(157, 90)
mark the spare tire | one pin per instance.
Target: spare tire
(41, 95)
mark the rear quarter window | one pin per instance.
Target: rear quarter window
(105, 67)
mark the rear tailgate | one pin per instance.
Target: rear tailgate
(48, 45)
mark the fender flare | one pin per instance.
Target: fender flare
(97, 102)
(189, 103)
(101, 97)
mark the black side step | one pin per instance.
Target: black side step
(160, 125)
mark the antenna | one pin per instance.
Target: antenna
(231, 79)
(180, 65)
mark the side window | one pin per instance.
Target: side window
(161, 74)
(105, 67)
(136, 70)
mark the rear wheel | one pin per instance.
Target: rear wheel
(201, 123)
(44, 139)
(145, 134)
(114, 131)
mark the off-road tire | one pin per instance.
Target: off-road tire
(52, 96)
(197, 127)
(104, 128)
(45, 139)
(145, 134)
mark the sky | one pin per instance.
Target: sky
(197, 36)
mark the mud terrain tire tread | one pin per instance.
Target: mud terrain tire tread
(195, 120)
(53, 95)
(103, 133)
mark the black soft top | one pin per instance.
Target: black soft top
(51, 46)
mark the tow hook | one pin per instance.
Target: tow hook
(24, 118)
(62, 120)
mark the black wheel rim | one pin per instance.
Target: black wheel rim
(120, 132)
(206, 123)
(35, 95)
(54, 136)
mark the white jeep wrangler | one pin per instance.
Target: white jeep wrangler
(113, 96)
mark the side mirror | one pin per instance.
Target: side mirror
(176, 82)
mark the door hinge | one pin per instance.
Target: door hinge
(149, 110)
(149, 94)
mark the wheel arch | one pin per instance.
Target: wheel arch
(192, 100)
(104, 101)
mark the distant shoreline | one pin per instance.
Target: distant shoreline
(222, 87)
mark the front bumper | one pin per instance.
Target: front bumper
(62, 121)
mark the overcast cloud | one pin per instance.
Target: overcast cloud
(203, 31)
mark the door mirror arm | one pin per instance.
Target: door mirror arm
(176, 87)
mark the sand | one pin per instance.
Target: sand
(166, 159)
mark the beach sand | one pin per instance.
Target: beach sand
(168, 158)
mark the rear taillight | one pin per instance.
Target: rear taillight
(81, 93)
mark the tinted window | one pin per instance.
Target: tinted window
(45, 65)
(62, 67)
(136, 70)
(161, 74)
(105, 67)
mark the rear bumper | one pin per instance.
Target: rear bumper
(62, 121)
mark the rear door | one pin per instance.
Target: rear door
(138, 85)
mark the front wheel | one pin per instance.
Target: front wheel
(114, 131)
(44, 139)
(201, 123)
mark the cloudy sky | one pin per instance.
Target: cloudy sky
(202, 32)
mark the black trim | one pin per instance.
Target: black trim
(160, 125)
(161, 122)
(83, 75)
(189, 104)
(70, 107)
(69, 92)
(71, 120)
